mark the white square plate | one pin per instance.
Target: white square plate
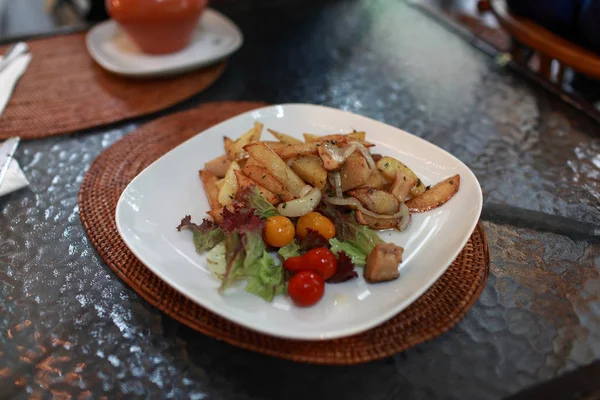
(215, 38)
(156, 200)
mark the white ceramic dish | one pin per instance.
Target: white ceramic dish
(216, 38)
(156, 200)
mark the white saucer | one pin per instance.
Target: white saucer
(215, 38)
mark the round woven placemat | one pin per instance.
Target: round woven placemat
(65, 91)
(439, 309)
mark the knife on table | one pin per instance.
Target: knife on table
(7, 152)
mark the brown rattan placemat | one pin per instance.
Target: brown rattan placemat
(440, 308)
(65, 91)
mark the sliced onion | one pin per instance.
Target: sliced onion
(349, 151)
(305, 190)
(405, 217)
(335, 152)
(301, 206)
(336, 180)
(356, 205)
(366, 154)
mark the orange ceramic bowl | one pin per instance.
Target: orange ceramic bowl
(157, 26)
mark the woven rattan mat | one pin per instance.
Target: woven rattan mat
(440, 308)
(64, 91)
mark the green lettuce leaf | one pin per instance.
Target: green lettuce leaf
(357, 256)
(217, 261)
(234, 257)
(289, 250)
(255, 199)
(348, 230)
(206, 235)
(265, 278)
(254, 246)
(205, 241)
(365, 239)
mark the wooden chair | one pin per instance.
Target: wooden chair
(528, 37)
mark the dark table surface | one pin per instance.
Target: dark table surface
(70, 327)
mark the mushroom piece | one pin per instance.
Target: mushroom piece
(382, 263)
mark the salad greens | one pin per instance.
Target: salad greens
(358, 257)
(236, 249)
(255, 200)
(206, 235)
(289, 250)
(265, 278)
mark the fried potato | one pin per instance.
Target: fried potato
(402, 185)
(218, 166)
(375, 180)
(283, 138)
(378, 201)
(244, 181)
(388, 167)
(277, 167)
(236, 149)
(309, 137)
(260, 174)
(209, 181)
(228, 145)
(293, 150)
(359, 136)
(230, 186)
(251, 161)
(354, 172)
(216, 214)
(310, 169)
(274, 145)
(436, 196)
(350, 137)
(376, 223)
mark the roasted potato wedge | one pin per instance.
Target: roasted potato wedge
(376, 223)
(310, 169)
(354, 172)
(209, 181)
(294, 150)
(230, 186)
(375, 180)
(236, 149)
(309, 138)
(435, 196)
(274, 145)
(228, 145)
(388, 167)
(261, 175)
(376, 200)
(244, 181)
(218, 166)
(277, 167)
(402, 185)
(216, 214)
(283, 138)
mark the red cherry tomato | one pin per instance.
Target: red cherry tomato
(320, 260)
(295, 264)
(306, 288)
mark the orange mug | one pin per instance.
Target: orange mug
(157, 26)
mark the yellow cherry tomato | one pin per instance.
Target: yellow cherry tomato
(278, 231)
(316, 221)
